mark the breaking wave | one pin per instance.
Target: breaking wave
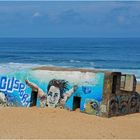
(12, 67)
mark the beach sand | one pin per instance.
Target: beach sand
(59, 123)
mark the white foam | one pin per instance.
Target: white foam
(74, 61)
(12, 67)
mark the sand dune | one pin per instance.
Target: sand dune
(58, 123)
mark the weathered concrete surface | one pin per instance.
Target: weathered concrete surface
(58, 123)
(138, 88)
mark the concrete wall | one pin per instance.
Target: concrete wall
(89, 87)
(86, 85)
(89, 91)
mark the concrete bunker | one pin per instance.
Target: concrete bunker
(101, 93)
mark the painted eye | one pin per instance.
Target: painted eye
(50, 94)
(94, 106)
(56, 95)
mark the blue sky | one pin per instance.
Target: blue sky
(69, 19)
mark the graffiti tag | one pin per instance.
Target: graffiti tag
(87, 89)
(12, 84)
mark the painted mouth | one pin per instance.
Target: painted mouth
(51, 103)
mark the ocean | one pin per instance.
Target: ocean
(114, 54)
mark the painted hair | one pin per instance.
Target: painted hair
(61, 84)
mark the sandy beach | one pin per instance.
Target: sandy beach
(59, 123)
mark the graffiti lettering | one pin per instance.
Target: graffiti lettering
(9, 85)
(12, 84)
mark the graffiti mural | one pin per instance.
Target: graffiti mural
(92, 107)
(114, 105)
(90, 92)
(134, 103)
(124, 104)
(3, 100)
(60, 89)
(57, 93)
(53, 88)
(13, 90)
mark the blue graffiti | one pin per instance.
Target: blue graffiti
(87, 89)
(10, 85)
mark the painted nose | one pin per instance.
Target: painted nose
(52, 99)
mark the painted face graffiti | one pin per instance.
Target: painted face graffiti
(57, 93)
(53, 96)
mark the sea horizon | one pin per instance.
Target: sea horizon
(111, 54)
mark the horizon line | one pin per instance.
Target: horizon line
(65, 37)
